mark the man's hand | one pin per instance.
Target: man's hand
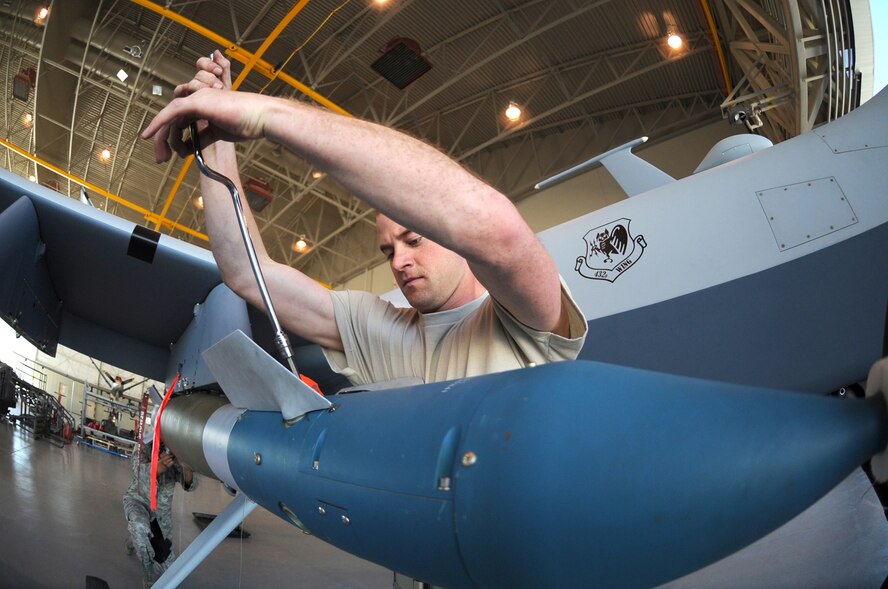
(164, 461)
(187, 475)
(185, 468)
(232, 116)
(212, 72)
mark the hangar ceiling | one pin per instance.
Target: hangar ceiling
(589, 75)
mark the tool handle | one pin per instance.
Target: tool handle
(280, 338)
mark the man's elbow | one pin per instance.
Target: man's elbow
(508, 245)
(239, 280)
(233, 279)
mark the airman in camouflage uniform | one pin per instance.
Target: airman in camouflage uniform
(137, 507)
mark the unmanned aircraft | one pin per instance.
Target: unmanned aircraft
(679, 437)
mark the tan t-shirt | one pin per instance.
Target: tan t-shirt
(385, 343)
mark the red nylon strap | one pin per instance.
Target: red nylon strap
(155, 449)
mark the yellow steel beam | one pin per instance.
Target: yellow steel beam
(268, 70)
(718, 47)
(169, 200)
(251, 61)
(297, 8)
(176, 17)
(101, 191)
(240, 54)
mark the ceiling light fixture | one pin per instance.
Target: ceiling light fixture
(122, 75)
(41, 15)
(513, 112)
(674, 40)
(300, 246)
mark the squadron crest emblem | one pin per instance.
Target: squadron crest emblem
(610, 251)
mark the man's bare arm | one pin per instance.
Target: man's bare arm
(410, 181)
(303, 306)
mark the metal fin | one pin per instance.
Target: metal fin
(252, 379)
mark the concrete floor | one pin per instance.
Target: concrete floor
(62, 519)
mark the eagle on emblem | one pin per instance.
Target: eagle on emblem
(607, 243)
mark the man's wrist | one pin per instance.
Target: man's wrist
(220, 154)
(276, 116)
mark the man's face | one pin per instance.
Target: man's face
(429, 275)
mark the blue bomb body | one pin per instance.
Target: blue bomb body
(563, 474)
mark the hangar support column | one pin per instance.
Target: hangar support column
(795, 64)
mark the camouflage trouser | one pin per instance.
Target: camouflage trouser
(138, 523)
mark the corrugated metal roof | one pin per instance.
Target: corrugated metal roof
(561, 60)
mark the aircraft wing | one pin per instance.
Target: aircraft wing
(94, 282)
(482, 453)
(80, 277)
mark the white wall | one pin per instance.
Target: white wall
(376, 280)
(13, 349)
(66, 374)
(63, 375)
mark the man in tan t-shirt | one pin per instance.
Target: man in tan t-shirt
(383, 343)
(485, 295)
(452, 241)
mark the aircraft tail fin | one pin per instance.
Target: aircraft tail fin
(633, 174)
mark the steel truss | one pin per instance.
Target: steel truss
(795, 62)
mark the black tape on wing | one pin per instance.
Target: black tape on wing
(143, 244)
